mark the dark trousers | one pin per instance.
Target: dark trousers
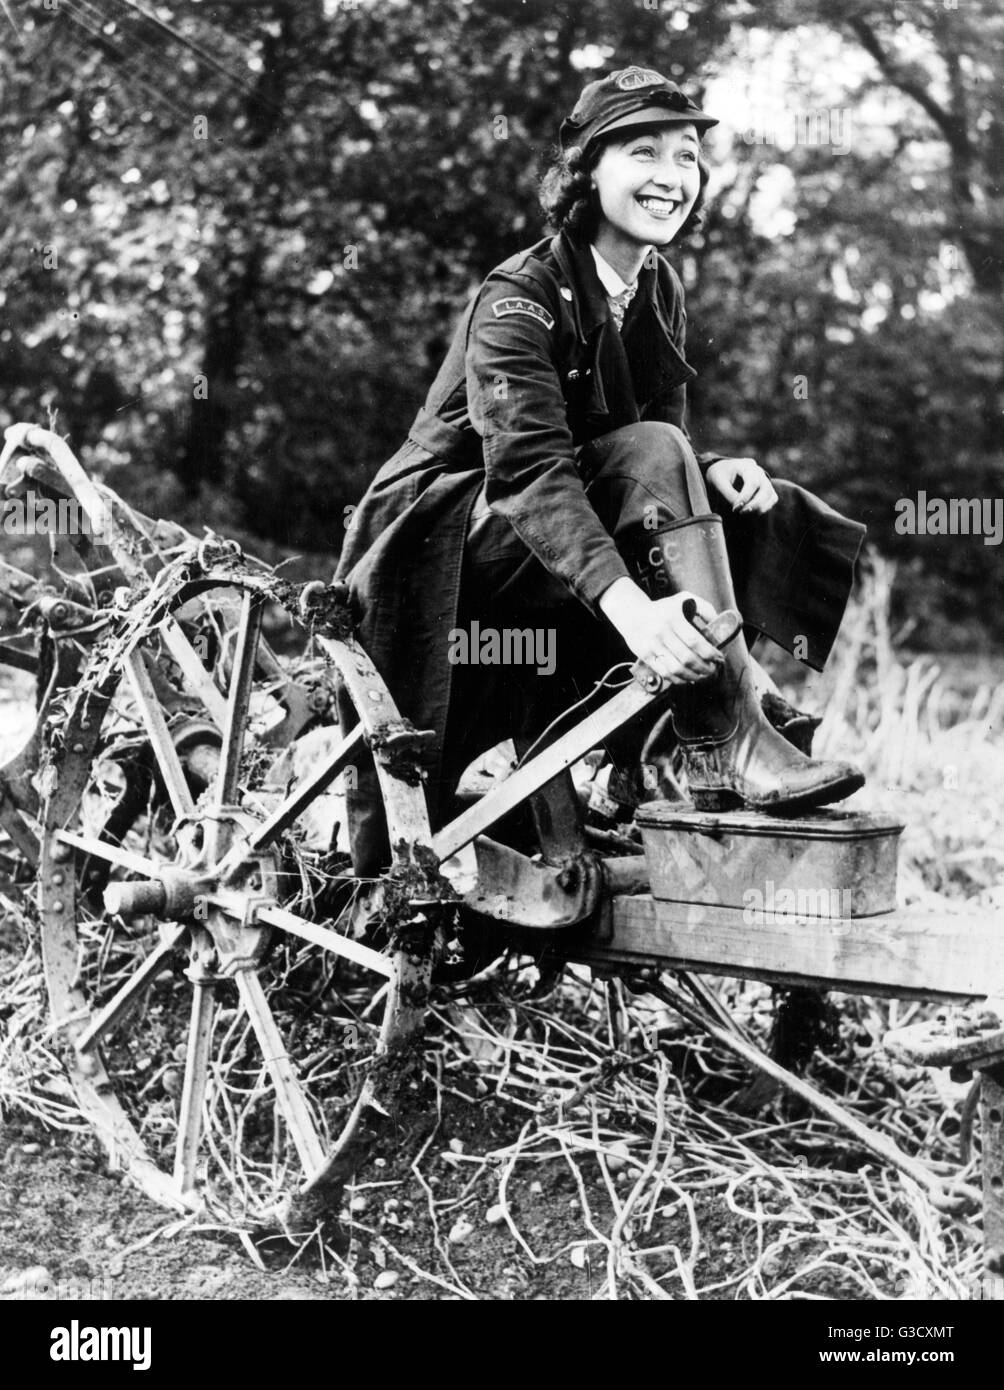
(638, 479)
(792, 569)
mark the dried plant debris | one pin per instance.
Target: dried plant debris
(674, 1183)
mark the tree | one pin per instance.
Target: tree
(238, 237)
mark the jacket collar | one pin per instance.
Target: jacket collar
(589, 299)
(655, 361)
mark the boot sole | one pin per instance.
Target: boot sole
(725, 799)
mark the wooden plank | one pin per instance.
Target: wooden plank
(911, 953)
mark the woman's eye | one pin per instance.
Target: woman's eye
(644, 149)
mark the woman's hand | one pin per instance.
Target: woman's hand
(657, 631)
(743, 483)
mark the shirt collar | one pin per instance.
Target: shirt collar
(609, 279)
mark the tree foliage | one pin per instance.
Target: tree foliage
(237, 237)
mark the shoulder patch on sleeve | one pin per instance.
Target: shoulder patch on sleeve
(530, 307)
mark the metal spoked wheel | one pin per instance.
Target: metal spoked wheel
(59, 575)
(235, 1002)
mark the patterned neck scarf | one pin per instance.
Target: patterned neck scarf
(619, 304)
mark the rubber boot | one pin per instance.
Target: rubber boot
(733, 755)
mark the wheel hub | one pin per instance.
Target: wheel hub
(222, 913)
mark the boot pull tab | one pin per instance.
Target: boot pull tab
(722, 627)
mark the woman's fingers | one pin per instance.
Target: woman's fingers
(667, 669)
(678, 649)
(720, 476)
(752, 497)
(752, 478)
(680, 625)
(667, 640)
(726, 488)
(764, 498)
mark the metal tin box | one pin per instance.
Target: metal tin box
(823, 864)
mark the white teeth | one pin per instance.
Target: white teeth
(659, 207)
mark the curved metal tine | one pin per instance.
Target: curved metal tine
(193, 1092)
(289, 1094)
(129, 994)
(196, 675)
(160, 738)
(238, 698)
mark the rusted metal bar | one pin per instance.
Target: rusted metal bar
(193, 1092)
(868, 1138)
(561, 754)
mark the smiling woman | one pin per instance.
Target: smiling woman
(646, 187)
(549, 484)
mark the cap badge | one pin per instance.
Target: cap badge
(633, 78)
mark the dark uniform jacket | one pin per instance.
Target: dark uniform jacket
(536, 368)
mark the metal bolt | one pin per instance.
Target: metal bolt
(78, 748)
(56, 879)
(58, 906)
(375, 694)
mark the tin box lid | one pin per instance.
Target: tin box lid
(822, 824)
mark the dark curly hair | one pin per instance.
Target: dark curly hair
(569, 200)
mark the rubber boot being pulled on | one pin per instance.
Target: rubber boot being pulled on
(733, 755)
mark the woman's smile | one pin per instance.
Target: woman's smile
(660, 208)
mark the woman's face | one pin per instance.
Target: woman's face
(648, 184)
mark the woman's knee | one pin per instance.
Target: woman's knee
(650, 445)
(649, 469)
(662, 437)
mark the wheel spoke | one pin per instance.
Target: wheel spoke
(13, 655)
(160, 738)
(128, 996)
(289, 1094)
(294, 805)
(330, 940)
(194, 1091)
(114, 854)
(198, 678)
(238, 699)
